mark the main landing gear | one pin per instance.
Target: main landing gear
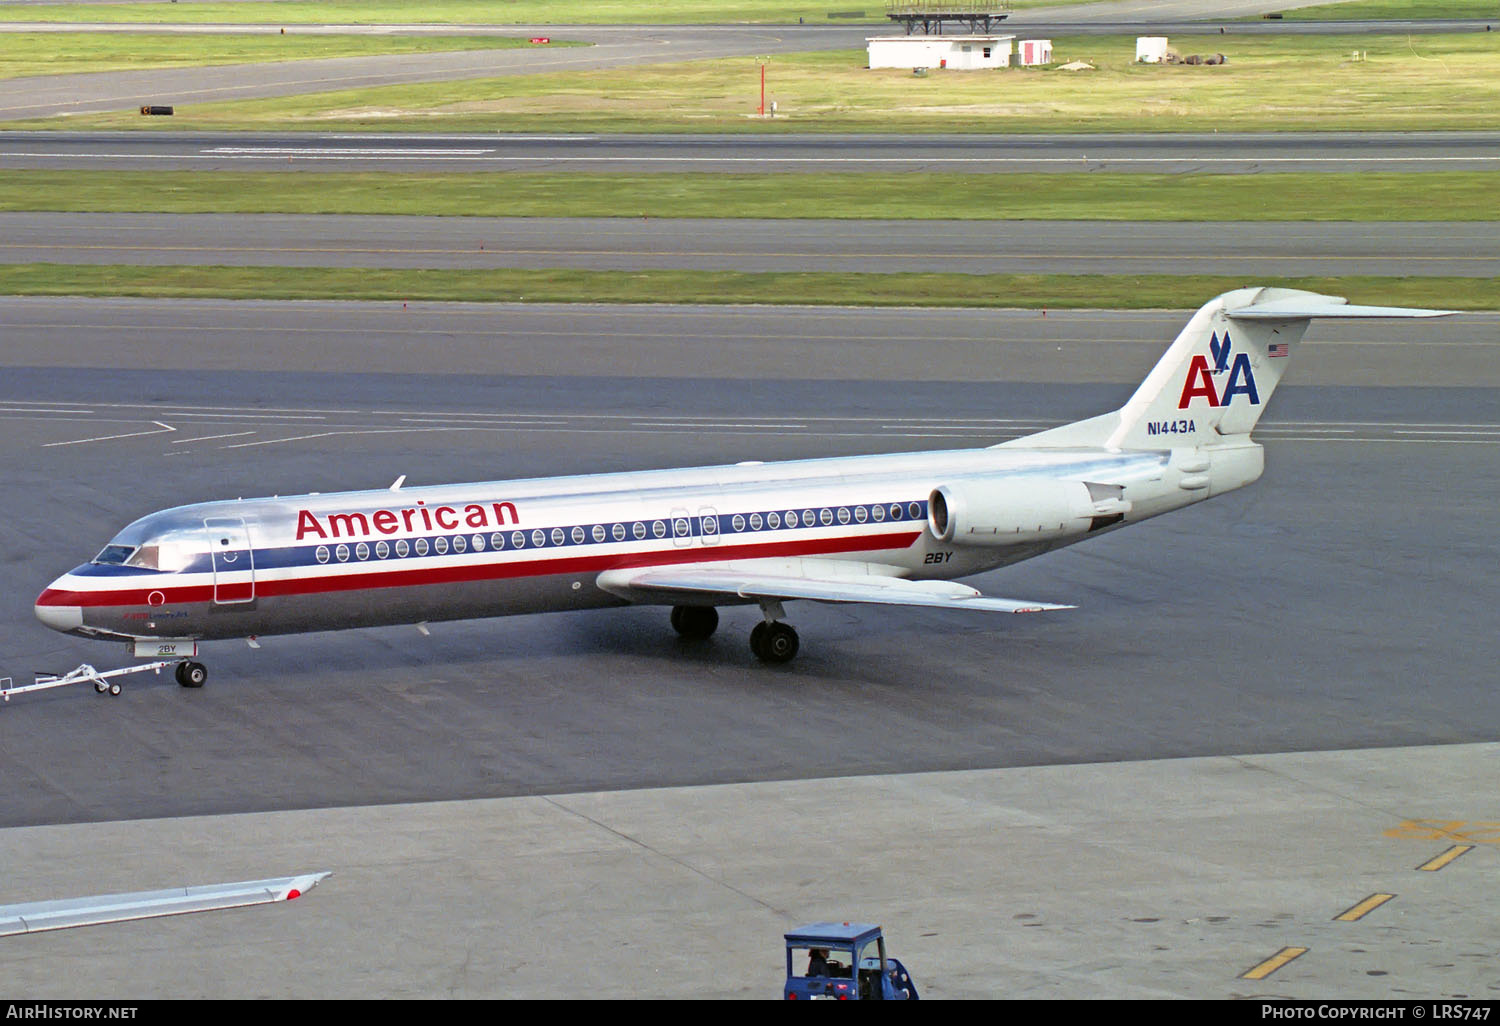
(772, 641)
(191, 675)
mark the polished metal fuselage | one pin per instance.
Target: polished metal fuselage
(355, 559)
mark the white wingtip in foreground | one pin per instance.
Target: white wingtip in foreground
(102, 909)
(893, 529)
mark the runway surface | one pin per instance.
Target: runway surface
(1170, 153)
(1270, 249)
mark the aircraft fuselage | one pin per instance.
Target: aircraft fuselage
(361, 559)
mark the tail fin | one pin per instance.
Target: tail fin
(1216, 378)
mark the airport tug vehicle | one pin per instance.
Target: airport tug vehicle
(843, 962)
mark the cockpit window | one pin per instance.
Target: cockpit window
(166, 555)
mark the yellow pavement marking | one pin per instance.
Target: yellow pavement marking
(1434, 864)
(1364, 908)
(1272, 964)
(1475, 832)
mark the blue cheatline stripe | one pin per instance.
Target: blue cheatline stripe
(588, 535)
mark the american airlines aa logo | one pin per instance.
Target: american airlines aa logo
(1200, 378)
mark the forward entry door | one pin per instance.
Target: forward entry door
(233, 560)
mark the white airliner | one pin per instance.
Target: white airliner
(888, 529)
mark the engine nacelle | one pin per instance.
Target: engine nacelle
(1014, 511)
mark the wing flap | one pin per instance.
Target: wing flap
(730, 583)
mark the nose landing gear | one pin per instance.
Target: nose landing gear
(191, 675)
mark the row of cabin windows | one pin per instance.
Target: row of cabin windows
(680, 527)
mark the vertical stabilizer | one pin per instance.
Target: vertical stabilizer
(1215, 379)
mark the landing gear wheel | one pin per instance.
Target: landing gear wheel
(696, 622)
(774, 642)
(115, 689)
(191, 675)
(100, 686)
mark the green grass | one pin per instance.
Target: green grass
(471, 12)
(1403, 10)
(719, 287)
(1307, 196)
(1271, 83)
(55, 53)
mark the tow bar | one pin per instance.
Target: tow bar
(102, 681)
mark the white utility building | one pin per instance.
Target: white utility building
(962, 53)
(1035, 51)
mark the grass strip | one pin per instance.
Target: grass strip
(1398, 10)
(26, 54)
(1304, 196)
(1063, 291)
(473, 12)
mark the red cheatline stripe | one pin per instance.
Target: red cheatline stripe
(486, 571)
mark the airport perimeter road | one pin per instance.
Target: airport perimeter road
(1269, 249)
(1341, 602)
(1170, 153)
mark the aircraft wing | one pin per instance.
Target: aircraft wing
(814, 579)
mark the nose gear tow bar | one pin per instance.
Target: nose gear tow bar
(105, 681)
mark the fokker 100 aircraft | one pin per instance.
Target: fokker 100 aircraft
(887, 529)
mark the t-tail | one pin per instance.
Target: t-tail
(1215, 380)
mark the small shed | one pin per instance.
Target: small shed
(1035, 51)
(962, 53)
(1150, 49)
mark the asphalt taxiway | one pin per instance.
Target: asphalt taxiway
(1158, 153)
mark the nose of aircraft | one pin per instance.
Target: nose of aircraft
(52, 612)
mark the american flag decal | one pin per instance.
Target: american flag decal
(1278, 349)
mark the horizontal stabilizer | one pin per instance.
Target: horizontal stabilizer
(1323, 306)
(728, 583)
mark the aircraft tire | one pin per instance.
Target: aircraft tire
(191, 675)
(695, 622)
(757, 640)
(774, 642)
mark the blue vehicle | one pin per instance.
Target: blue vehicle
(843, 962)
